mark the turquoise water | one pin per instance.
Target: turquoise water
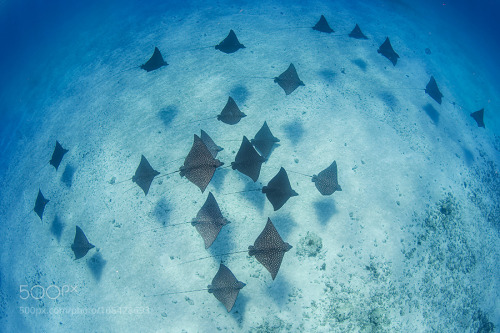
(410, 244)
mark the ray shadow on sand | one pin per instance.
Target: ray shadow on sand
(432, 113)
(96, 265)
(68, 175)
(167, 114)
(328, 75)
(325, 209)
(389, 99)
(57, 228)
(218, 179)
(294, 131)
(240, 93)
(161, 211)
(254, 197)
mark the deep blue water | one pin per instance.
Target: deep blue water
(474, 21)
(32, 31)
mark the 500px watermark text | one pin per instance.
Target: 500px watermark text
(39, 292)
(108, 310)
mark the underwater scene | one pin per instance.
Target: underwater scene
(250, 166)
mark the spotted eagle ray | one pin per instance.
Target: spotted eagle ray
(432, 90)
(289, 80)
(199, 165)
(279, 190)
(247, 160)
(230, 44)
(268, 248)
(57, 155)
(144, 175)
(264, 140)
(225, 287)
(40, 204)
(323, 25)
(387, 51)
(80, 245)
(357, 33)
(478, 117)
(209, 220)
(155, 62)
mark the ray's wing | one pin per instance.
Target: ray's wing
(199, 166)
(323, 25)
(326, 181)
(156, 61)
(80, 245)
(289, 80)
(478, 116)
(432, 90)
(279, 190)
(271, 260)
(230, 44)
(269, 249)
(247, 160)
(209, 221)
(264, 140)
(144, 175)
(231, 114)
(210, 144)
(40, 204)
(57, 155)
(357, 33)
(387, 51)
(225, 287)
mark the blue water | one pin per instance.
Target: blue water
(410, 244)
(474, 22)
(31, 31)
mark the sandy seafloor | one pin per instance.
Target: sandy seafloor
(411, 244)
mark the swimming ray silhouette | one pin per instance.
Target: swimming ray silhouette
(225, 287)
(212, 147)
(269, 248)
(247, 160)
(80, 245)
(357, 33)
(199, 165)
(323, 25)
(40, 204)
(231, 113)
(156, 61)
(432, 90)
(230, 44)
(326, 181)
(209, 220)
(387, 51)
(57, 155)
(264, 140)
(289, 80)
(478, 117)
(144, 175)
(279, 190)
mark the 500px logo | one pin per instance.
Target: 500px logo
(39, 292)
